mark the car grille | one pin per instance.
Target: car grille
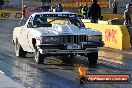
(73, 39)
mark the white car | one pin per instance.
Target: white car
(56, 34)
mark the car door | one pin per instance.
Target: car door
(23, 37)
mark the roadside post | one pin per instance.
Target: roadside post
(22, 4)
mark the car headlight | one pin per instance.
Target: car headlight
(48, 39)
(51, 39)
(95, 38)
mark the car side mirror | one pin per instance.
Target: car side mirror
(29, 25)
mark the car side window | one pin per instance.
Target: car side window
(40, 21)
(31, 19)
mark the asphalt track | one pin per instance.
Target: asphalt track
(53, 73)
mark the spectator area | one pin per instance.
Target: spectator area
(76, 3)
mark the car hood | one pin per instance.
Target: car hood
(59, 29)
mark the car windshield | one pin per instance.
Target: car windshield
(46, 20)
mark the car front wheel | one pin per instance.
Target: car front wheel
(92, 57)
(38, 57)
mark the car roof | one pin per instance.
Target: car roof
(40, 13)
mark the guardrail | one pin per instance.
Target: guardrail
(114, 36)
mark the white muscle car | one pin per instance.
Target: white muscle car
(56, 34)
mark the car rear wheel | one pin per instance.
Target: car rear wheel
(38, 57)
(19, 50)
(92, 57)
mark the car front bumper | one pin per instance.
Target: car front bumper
(62, 48)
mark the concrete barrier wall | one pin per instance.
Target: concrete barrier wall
(8, 14)
(107, 17)
(114, 36)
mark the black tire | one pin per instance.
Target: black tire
(19, 50)
(38, 57)
(67, 59)
(92, 58)
(82, 80)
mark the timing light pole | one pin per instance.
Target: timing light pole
(22, 4)
(109, 3)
